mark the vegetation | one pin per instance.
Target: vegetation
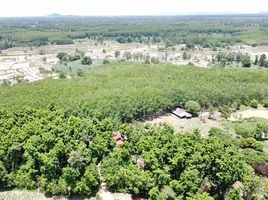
(254, 103)
(56, 134)
(86, 61)
(252, 128)
(174, 165)
(111, 90)
(206, 31)
(192, 106)
(55, 151)
(265, 103)
(58, 152)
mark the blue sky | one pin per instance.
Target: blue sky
(127, 7)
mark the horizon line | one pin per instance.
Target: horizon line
(55, 15)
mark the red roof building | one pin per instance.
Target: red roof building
(118, 138)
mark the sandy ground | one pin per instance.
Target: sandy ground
(187, 125)
(260, 112)
(115, 196)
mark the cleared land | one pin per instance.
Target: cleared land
(27, 195)
(260, 112)
(186, 125)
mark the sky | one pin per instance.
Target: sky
(128, 7)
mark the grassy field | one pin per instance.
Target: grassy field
(22, 195)
(253, 37)
(28, 195)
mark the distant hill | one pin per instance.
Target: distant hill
(56, 15)
(263, 13)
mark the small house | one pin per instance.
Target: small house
(118, 138)
(181, 113)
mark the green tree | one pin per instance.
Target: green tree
(262, 60)
(62, 75)
(246, 62)
(184, 55)
(61, 56)
(86, 60)
(234, 194)
(192, 106)
(254, 103)
(80, 72)
(105, 61)
(256, 60)
(265, 104)
(117, 54)
(154, 60)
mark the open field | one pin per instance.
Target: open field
(27, 195)
(260, 112)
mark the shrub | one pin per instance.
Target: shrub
(147, 61)
(105, 61)
(117, 54)
(61, 56)
(245, 130)
(252, 127)
(265, 104)
(154, 60)
(234, 194)
(250, 143)
(253, 103)
(86, 61)
(62, 75)
(80, 72)
(225, 111)
(246, 62)
(193, 107)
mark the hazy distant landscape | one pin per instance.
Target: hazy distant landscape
(159, 107)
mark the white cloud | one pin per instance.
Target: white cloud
(127, 7)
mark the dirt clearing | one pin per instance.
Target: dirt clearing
(187, 125)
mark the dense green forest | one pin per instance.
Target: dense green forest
(58, 153)
(56, 134)
(127, 91)
(207, 31)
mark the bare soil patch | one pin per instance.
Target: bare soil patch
(186, 125)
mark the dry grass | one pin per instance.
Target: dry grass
(260, 112)
(29, 195)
